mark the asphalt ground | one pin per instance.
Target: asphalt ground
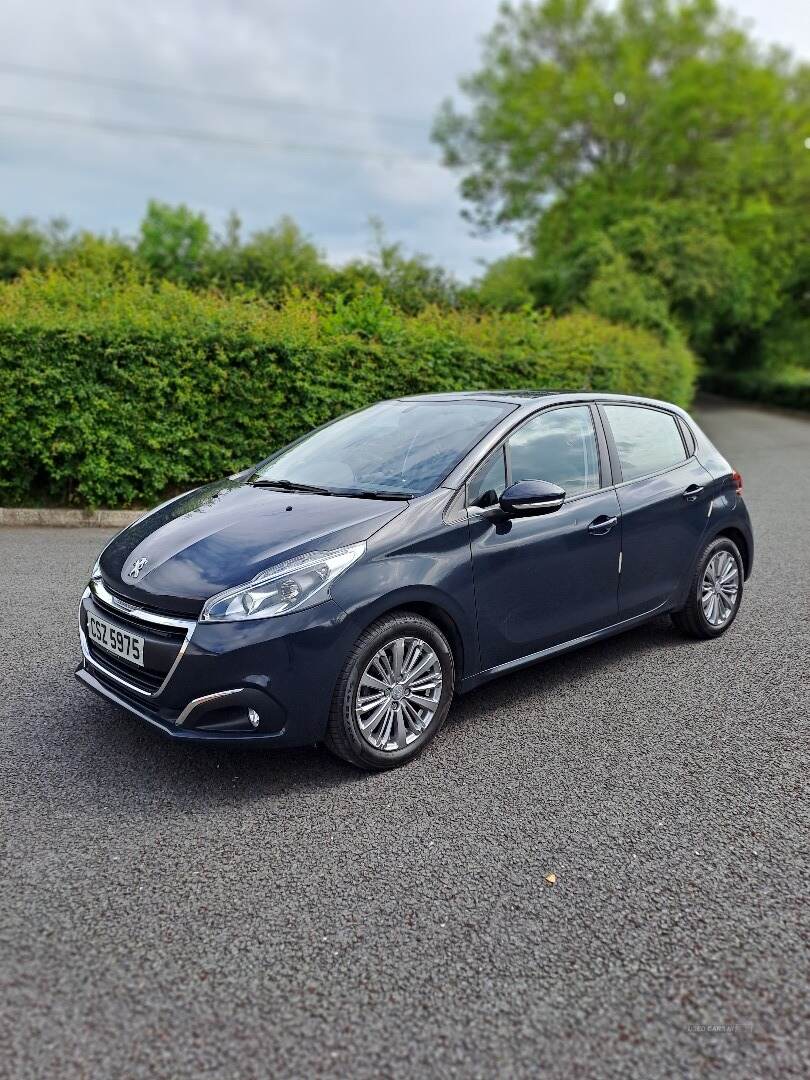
(172, 911)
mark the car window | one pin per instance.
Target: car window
(558, 446)
(486, 485)
(647, 440)
(393, 447)
(688, 437)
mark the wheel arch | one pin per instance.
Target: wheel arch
(738, 537)
(445, 622)
(430, 609)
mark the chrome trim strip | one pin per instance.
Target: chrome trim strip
(571, 643)
(173, 668)
(99, 589)
(652, 475)
(122, 703)
(553, 504)
(195, 702)
(188, 626)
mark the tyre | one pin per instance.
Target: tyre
(715, 592)
(393, 694)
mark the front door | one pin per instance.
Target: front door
(544, 580)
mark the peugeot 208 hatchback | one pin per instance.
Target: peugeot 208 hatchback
(345, 588)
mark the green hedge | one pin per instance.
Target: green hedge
(115, 392)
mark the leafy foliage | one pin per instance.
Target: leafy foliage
(117, 389)
(653, 99)
(173, 241)
(508, 284)
(655, 162)
(177, 244)
(271, 261)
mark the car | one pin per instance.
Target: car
(346, 588)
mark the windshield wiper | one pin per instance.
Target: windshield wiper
(347, 493)
(287, 485)
(359, 493)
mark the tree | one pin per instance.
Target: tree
(173, 241)
(652, 158)
(507, 284)
(655, 99)
(280, 257)
(22, 246)
(409, 282)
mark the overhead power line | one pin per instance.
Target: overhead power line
(119, 127)
(277, 104)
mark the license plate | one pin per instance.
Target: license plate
(109, 637)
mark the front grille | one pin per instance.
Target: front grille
(142, 677)
(162, 644)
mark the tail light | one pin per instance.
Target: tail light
(737, 480)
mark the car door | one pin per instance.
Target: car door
(664, 497)
(543, 580)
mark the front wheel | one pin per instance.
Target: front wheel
(715, 592)
(393, 694)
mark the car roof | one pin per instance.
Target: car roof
(514, 396)
(531, 397)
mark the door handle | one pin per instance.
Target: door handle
(602, 525)
(692, 492)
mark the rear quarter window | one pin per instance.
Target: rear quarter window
(688, 437)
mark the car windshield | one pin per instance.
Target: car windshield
(395, 448)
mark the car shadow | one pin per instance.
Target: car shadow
(139, 762)
(544, 679)
(132, 761)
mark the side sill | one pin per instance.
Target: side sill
(472, 681)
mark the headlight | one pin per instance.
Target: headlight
(290, 586)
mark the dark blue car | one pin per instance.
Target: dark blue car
(347, 587)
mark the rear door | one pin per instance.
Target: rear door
(664, 497)
(543, 580)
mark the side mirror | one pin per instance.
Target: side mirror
(528, 497)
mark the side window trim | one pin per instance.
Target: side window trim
(689, 440)
(613, 453)
(606, 468)
(619, 480)
(547, 412)
(482, 465)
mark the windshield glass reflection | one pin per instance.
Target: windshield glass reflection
(395, 447)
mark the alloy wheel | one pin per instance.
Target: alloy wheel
(720, 588)
(398, 693)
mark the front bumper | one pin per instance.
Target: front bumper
(283, 669)
(167, 725)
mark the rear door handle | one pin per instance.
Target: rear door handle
(692, 492)
(602, 525)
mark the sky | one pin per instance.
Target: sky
(320, 109)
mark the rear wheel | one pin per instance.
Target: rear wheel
(715, 592)
(393, 694)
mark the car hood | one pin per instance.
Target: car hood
(224, 534)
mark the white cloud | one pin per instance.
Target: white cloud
(360, 64)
